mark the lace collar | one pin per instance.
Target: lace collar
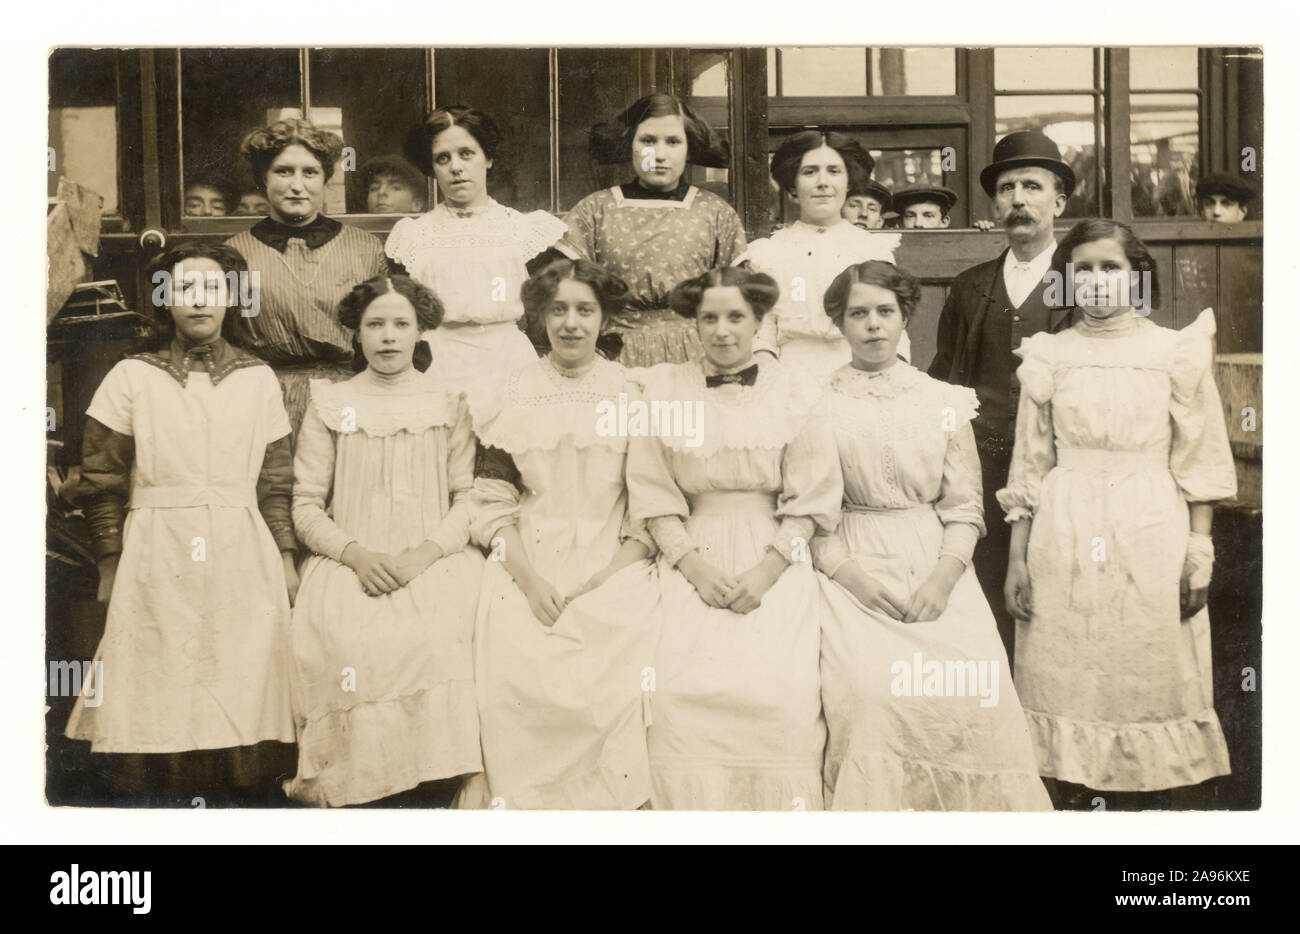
(848, 380)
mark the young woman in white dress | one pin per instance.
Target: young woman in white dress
(814, 168)
(736, 706)
(569, 615)
(185, 482)
(470, 250)
(1121, 451)
(382, 631)
(916, 687)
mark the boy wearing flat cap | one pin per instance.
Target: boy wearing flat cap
(866, 204)
(1224, 198)
(990, 309)
(925, 208)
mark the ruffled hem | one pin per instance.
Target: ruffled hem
(768, 415)
(1130, 756)
(534, 410)
(352, 406)
(881, 782)
(603, 789)
(377, 749)
(738, 786)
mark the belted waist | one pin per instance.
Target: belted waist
(921, 509)
(1103, 461)
(732, 501)
(174, 497)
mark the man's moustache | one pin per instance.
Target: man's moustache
(1016, 218)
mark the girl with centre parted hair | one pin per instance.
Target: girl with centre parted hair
(903, 601)
(1120, 452)
(736, 708)
(185, 481)
(814, 167)
(303, 261)
(469, 249)
(569, 614)
(656, 230)
(383, 675)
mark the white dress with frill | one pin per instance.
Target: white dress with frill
(920, 715)
(475, 263)
(736, 705)
(561, 708)
(383, 686)
(804, 259)
(195, 653)
(1117, 431)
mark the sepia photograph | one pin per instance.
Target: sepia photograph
(694, 428)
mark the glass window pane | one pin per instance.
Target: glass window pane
(596, 85)
(1153, 69)
(1165, 148)
(708, 81)
(83, 121)
(913, 71)
(511, 85)
(352, 93)
(225, 95)
(1042, 69)
(1069, 121)
(823, 72)
(771, 72)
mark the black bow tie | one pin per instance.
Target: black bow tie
(746, 377)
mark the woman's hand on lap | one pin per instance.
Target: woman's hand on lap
(545, 601)
(870, 592)
(751, 588)
(375, 570)
(714, 587)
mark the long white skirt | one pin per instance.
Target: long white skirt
(736, 708)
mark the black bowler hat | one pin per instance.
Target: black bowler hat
(1230, 186)
(944, 197)
(1026, 148)
(872, 189)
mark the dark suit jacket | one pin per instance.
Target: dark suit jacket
(963, 315)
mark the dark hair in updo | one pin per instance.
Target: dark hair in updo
(757, 288)
(539, 291)
(873, 272)
(419, 142)
(428, 313)
(615, 143)
(785, 162)
(227, 257)
(1094, 229)
(261, 147)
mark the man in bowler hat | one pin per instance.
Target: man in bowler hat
(990, 309)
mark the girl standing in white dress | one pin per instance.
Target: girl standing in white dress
(185, 482)
(383, 677)
(569, 615)
(814, 167)
(736, 707)
(1121, 451)
(470, 250)
(917, 691)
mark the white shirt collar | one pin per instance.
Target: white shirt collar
(1039, 265)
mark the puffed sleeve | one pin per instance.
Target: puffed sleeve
(579, 242)
(960, 506)
(313, 481)
(398, 245)
(494, 502)
(654, 498)
(452, 534)
(1200, 458)
(812, 485)
(105, 484)
(1035, 449)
